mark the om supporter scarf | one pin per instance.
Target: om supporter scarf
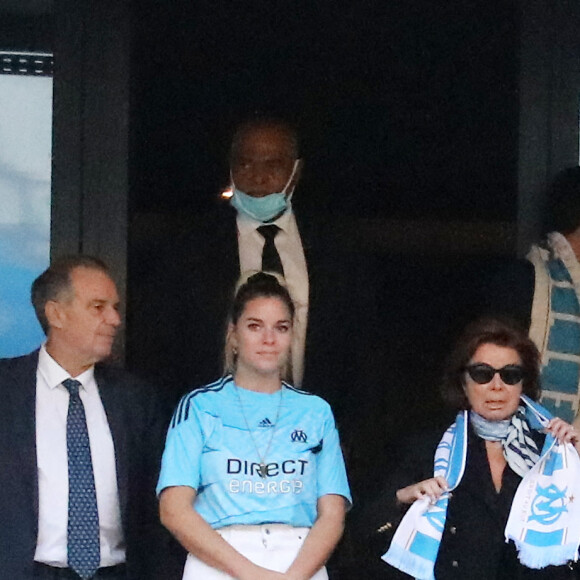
(555, 323)
(544, 520)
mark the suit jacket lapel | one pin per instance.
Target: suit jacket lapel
(109, 394)
(307, 238)
(22, 400)
(230, 243)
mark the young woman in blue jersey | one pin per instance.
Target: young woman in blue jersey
(253, 482)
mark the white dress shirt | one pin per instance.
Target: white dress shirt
(289, 246)
(52, 400)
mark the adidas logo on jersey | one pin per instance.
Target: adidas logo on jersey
(265, 423)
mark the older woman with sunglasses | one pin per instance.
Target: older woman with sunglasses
(493, 366)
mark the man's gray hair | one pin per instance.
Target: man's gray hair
(55, 282)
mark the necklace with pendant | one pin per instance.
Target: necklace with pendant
(263, 467)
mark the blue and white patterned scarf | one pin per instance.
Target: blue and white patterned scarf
(544, 520)
(519, 448)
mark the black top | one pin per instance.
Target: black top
(473, 545)
(473, 539)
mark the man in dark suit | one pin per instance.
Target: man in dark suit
(80, 443)
(178, 319)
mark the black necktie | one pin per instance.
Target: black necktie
(83, 516)
(271, 261)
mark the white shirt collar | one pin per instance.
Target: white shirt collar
(53, 374)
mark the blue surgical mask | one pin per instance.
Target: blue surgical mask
(264, 209)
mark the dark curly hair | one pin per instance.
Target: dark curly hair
(501, 332)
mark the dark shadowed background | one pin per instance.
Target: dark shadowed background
(407, 109)
(429, 133)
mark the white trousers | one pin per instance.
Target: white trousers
(272, 546)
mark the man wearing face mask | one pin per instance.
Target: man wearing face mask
(265, 168)
(179, 312)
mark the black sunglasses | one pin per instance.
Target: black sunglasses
(483, 373)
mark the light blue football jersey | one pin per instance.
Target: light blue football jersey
(210, 449)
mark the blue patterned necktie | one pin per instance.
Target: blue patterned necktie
(84, 553)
